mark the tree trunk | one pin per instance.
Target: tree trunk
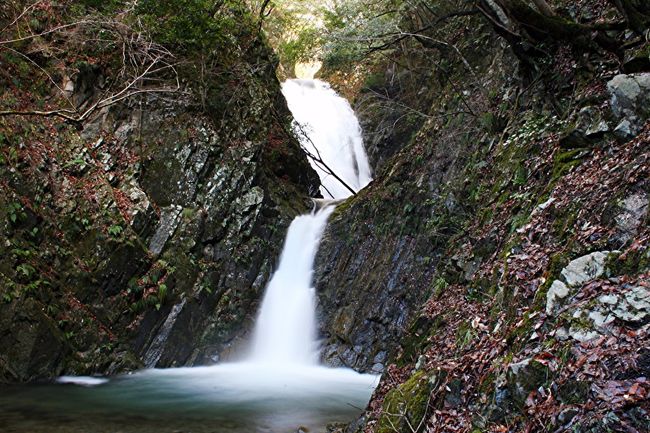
(544, 8)
(540, 26)
(635, 12)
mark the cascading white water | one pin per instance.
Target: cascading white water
(281, 383)
(285, 331)
(332, 133)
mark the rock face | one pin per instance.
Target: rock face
(363, 301)
(146, 238)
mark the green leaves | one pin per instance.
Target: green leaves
(192, 24)
(15, 213)
(115, 230)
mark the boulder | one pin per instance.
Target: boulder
(585, 268)
(633, 210)
(523, 377)
(630, 100)
(578, 272)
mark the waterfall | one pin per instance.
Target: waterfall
(285, 332)
(329, 130)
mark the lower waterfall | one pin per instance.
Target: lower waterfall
(285, 332)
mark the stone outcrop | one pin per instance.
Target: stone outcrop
(630, 102)
(578, 272)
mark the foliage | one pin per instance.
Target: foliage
(354, 28)
(15, 212)
(103, 5)
(192, 24)
(338, 33)
(115, 230)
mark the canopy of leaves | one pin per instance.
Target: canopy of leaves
(192, 24)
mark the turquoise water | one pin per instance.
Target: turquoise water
(233, 398)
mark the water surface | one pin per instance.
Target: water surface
(228, 398)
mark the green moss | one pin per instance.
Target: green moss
(564, 162)
(556, 264)
(405, 406)
(564, 222)
(574, 392)
(632, 263)
(374, 80)
(342, 207)
(529, 378)
(464, 335)
(519, 220)
(417, 338)
(520, 334)
(439, 286)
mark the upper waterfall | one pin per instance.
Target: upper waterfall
(329, 130)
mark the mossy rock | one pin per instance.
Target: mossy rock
(418, 337)
(406, 406)
(633, 263)
(524, 377)
(573, 392)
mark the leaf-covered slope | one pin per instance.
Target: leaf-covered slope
(496, 270)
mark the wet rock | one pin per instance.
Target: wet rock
(591, 121)
(624, 130)
(141, 212)
(154, 352)
(373, 315)
(35, 348)
(630, 99)
(169, 220)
